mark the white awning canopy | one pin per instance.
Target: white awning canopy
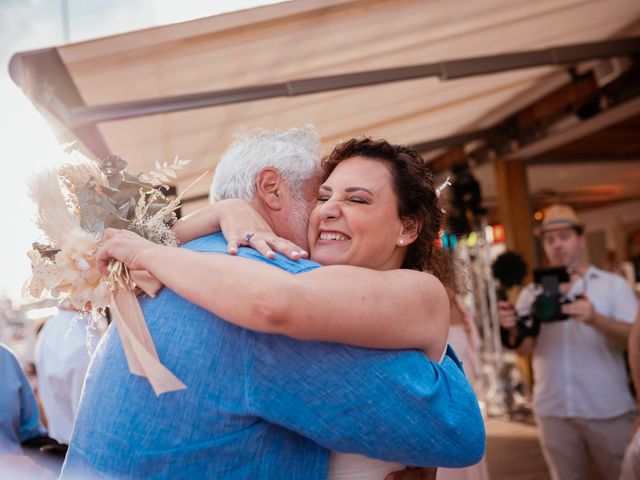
(310, 39)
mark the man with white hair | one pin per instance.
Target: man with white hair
(259, 405)
(293, 154)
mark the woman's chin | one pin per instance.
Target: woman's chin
(326, 258)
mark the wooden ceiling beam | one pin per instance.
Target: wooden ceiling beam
(525, 133)
(585, 159)
(607, 118)
(532, 118)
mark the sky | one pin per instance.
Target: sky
(26, 142)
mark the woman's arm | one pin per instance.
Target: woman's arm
(395, 309)
(197, 224)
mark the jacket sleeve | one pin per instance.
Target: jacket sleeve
(394, 406)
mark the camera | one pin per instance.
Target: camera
(546, 308)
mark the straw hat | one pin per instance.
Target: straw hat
(558, 217)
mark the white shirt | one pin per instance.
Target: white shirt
(349, 466)
(62, 359)
(577, 371)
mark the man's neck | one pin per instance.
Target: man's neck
(580, 269)
(577, 273)
(263, 211)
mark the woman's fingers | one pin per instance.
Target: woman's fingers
(267, 244)
(262, 246)
(121, 245)
(287, 248)
(102, 259)
(232, 246)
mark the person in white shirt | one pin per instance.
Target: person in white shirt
(581, 396)
(62, 357)
(631, 462)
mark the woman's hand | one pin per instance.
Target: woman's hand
(123, 245)
(242, 225)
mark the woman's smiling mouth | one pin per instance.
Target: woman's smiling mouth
(333, 236)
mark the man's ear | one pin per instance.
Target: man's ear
(582, 241)
(269, 184)
(410, 230)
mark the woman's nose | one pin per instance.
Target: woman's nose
(330, 209)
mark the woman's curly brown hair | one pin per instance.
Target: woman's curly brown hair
(417, 199)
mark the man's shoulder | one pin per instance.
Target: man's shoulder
(597, 274)
(209, 243)
(215, 243)
(9, 364)
(613, 284)
(6, 354)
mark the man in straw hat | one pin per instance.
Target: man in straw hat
(581, 395)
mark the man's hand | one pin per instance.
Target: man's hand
(413, 473)
(581, 310)
(507, 315)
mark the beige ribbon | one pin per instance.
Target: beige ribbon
(137, 343)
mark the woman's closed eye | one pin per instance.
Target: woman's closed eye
(356, 199)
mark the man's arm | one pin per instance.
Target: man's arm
(616, 327)
(617, 332)
(582, 310)
(395, 406)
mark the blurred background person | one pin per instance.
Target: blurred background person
(581, 396)
(465, 340)
(631, 462)
(510, 269)
(19, 421)
(19, 417)
(63, 352)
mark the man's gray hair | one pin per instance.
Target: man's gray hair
(295, 153)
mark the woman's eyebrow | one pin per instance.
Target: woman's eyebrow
(355, 189)
(348, 190)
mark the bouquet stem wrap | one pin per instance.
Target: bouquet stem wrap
(137, 343)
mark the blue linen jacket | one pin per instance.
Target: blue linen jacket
(263, 405)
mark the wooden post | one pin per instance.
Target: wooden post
(515, 209)
(516, 214)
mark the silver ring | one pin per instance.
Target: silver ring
(248, 236)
